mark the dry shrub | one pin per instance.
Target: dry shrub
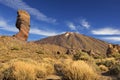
(25, 70)
(108, 62)
(103, 68)
(76, 70)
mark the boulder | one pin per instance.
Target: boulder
(23, 24)
(70, 51)
(112, 49)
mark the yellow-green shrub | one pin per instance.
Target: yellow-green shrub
(25, 70)
(83, 56)
(76, 70)
(108, 62)
(103, 68)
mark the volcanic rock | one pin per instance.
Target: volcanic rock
(112, 49)
(70, 51)
(23, 24)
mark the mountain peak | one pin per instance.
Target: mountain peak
(69, 33)
(72, 40)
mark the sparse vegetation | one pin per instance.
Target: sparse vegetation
(108, 62)
(15, 48)
(82, 56)
(28, 61)
(76, 70)
(25, 70)
(103, 68)
(115, 69)
(115, 55)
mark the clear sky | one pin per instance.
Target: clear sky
(96, 18)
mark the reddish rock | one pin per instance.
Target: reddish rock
(23, 24)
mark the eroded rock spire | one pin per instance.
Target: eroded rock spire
(23, 24)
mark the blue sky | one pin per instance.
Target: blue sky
(96, 18)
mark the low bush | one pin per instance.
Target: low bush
(108, 62)
(15, 48)
(116, 56)
(82, 56)
(115, 69)
(25, 70)
(103, 68)
(76, 70)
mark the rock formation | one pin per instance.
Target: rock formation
(112, 49)
(23, 24)
(70, 51)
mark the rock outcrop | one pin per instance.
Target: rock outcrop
(112, 49)
(70, 51)
(23, 24)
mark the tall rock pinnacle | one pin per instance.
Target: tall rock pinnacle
(23, 24)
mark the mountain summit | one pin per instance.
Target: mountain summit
(71, 40)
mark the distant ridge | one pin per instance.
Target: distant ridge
(71, 40)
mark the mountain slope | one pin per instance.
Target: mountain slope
(76, 41)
